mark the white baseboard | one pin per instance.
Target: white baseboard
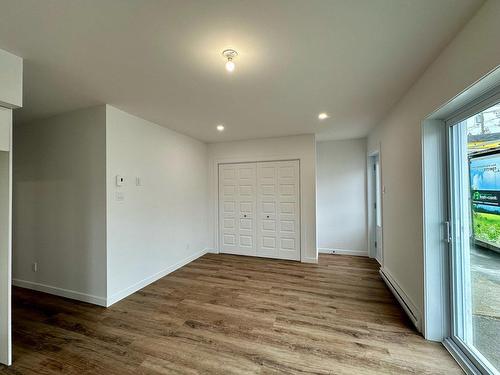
(150, 279)
(213, 251)
(359, 253)
(102, 301)
(72, 294)
(309, 260)
(404, 300)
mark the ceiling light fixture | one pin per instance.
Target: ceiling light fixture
(323, 116)
(229, 54)
(220, 128)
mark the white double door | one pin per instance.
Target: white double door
(259, 210)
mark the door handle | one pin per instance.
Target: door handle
(447, 232)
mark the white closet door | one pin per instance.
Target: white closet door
(267, 210)
(237, 207)
(278, 210)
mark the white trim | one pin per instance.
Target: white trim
(457, 354)
(438, 285)
(6, 277)
(481, 103)
(72, 294)
(369, 202)
(467, 96)
(370, 217)
(359, 253)
(151, 279)
(309, 260)
(404, 300)
(102, 301)
(435, 246)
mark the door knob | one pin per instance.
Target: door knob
(244, 215)
(267, 216)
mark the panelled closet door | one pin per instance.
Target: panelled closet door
(278, 210)
(259, 209)
(237, 207)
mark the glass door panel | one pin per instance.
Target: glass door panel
(474, 166)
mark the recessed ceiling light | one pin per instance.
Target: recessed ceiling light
(230, 54)
(323, 116)
(220, 128)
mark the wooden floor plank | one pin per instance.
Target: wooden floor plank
(224, 314)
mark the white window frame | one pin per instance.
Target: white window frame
(436, 323)
(460, 317)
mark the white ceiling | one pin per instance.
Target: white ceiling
(161, 60)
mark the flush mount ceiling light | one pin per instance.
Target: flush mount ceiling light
(229, 54)
(323, 116)
(220, 127)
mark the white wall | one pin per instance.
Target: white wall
(11, 80)
(295, 147)
(11, 95)
(5, 128)
(474, 52)
(90, 244)
(162, 223)
(341, 196)
(59, 205)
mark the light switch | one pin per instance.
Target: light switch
(138, 181)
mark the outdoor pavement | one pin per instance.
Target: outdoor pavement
(485, 271)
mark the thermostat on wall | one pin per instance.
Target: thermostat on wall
(120, 180)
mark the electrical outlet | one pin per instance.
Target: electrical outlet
(34, 267)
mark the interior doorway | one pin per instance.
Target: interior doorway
(375, 207)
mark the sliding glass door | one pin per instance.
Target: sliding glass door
(474, 231)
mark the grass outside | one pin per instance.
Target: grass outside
(487, 228)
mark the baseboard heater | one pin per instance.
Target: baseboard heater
(402, 299)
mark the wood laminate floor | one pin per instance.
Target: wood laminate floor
(224, 314)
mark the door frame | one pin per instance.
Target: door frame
(437, 317)
(263, 159)
(6, 262)
(456, 277)
(371, 201)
